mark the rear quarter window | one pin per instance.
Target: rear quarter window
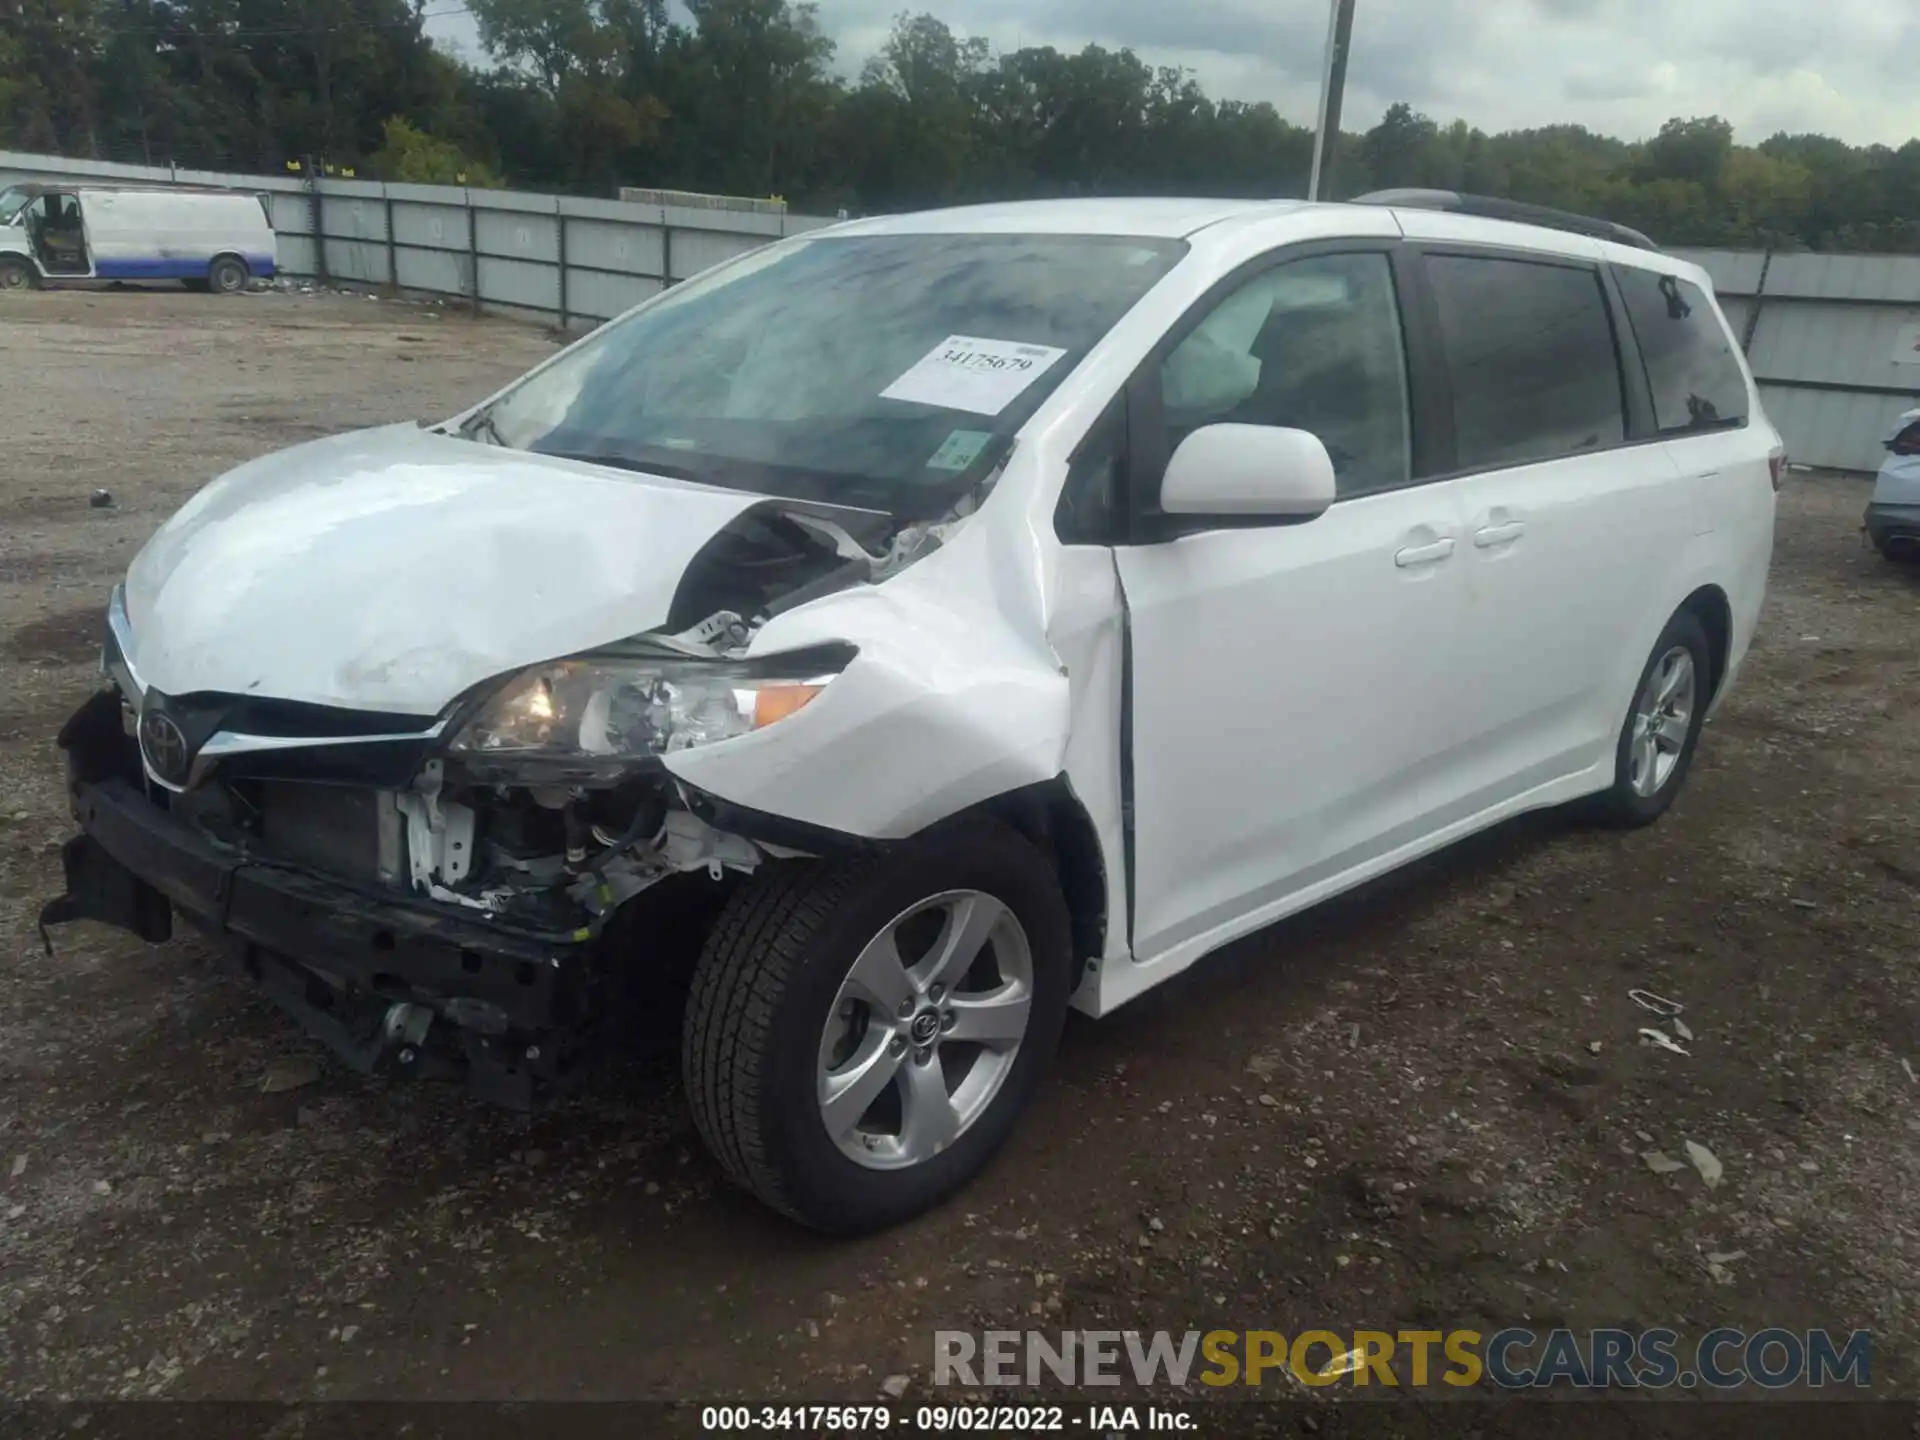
(1531, 359)
(1696, 378)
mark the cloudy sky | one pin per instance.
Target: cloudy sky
(1840, 67)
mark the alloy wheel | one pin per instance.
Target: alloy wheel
(1662, 720)
(925, 1030)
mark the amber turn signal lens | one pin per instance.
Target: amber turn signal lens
(777, 702)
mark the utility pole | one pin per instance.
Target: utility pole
(1333, 85)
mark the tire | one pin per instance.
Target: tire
(16, 275)
(778, 969)
(1640, 793)
(227, 276)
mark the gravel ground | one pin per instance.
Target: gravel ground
(1422, 1106)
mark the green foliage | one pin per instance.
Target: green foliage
(421, 159)
(740, 96)
(1691, 151)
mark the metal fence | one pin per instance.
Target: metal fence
(569, 261)
(1834, 339)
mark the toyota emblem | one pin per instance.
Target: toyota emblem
(165, 747)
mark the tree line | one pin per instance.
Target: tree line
(582, 96)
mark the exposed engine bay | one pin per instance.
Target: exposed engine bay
(776, 558)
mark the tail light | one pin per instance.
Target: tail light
(1907, 442)
(1777, 463)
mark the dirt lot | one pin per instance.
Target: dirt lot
(1424, 1106)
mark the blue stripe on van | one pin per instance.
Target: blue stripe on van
(168, 269)
(125, 269)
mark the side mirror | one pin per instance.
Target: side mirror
(1248, 471)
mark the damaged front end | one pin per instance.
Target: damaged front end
(459, 895)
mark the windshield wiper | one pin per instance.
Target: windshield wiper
(481, 427)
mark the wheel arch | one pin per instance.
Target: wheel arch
(1051, 816)
(1048, 814)
(1709, 604)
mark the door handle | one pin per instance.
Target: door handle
(1498, 535)
(1424, 554)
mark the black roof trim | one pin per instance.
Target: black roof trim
(1488, 207)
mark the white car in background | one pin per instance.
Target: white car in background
(1893, 515)
(920, 627)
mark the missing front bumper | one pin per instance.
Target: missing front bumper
(508, 1010)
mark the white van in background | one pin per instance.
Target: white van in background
(208, 239)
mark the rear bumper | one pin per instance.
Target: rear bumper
(386, 982)
(1889, 524)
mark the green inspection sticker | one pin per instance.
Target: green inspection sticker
(963, 447)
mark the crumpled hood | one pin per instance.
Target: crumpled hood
(393, 569)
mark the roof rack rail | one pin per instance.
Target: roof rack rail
(1488, 207)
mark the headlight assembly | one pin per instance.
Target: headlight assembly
(587, 720)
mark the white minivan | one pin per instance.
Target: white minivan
(875, 647)
(207, 239)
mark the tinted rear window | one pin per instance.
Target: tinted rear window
(1696, 379)
(1531, 357)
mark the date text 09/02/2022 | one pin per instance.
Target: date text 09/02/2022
(947, 1419)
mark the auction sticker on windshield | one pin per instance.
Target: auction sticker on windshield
(965, 372)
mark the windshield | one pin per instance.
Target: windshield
(12, 200)
(883, 372)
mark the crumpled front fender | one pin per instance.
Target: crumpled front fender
(955, 697)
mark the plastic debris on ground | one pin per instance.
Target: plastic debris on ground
(1704, 1160)
(292, 1074)
(1662, 1040)
(1656, 1004)
(1667, 1010)
(1340, 1365)
(1718, 1262)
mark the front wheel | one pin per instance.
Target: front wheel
(1662, 728)
(15, 274)
(862, 1035)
